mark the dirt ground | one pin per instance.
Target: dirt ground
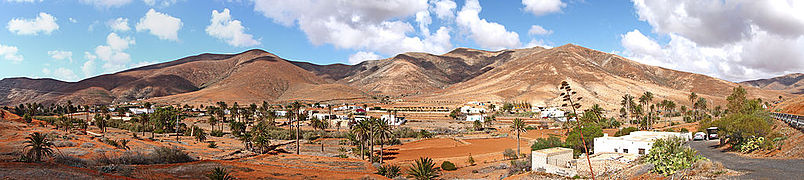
(243, 165)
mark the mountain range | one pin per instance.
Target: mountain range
(791, 83)
(461, 75)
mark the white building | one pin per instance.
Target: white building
(475, 117)
(554, 161)
(324, 116)
(472, 110)
(280, 113)
(141, 110)
(393, 120)
(638, 142)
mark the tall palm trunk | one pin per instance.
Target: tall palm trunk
(298, 132)
(382, 145)
(517, 144)
(362, 141)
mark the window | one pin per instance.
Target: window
(641, 151)
(625, 150)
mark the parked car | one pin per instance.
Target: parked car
(712, 131)
(699, 136)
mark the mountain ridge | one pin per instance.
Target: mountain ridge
(256, 75)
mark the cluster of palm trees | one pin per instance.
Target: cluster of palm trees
(366, 131)
(648, 113)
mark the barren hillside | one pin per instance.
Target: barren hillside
(600, 77)
(792, 83)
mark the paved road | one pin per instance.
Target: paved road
(753, 168)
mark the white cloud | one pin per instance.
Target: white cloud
(61, 55)
(106, 3)
(444, 9)
(44, 23)
(61, 74)
(161, 25)
(112, 54)
(542, 7)
(537, 42)
(72, 20)
(120, 24)
(361, 56)
(223, 27)
(10, 53)
(488, 35)
(539, 30)
(144, 63)
(734, 40)
(363, 25)
(424, 20)
(89, 66)
(160, 3)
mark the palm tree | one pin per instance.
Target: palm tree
(219, 173)
(100, 121)
(295, 107)
(597, 110)
(519, 127)
(39, 146)
(424, 169)
(477, 125)
(488, 121)
(212, 121)
(383, 131)
(360, 130)
(627, 101)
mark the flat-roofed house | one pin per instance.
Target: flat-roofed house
(637, 142)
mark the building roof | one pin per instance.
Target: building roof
(643, 136)
(555, 150)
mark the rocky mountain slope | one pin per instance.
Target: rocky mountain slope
(792, 83)
(530, 75)
(602, 78)
(251, 76)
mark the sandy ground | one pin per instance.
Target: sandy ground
(268, 166)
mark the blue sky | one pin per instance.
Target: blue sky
(73, 40)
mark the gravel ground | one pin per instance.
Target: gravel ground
(753, 168)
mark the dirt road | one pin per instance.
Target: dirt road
(753, 168)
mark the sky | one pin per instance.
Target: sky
(73, 40)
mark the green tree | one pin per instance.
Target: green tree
(423, 169)
(588, 131)
(545, 143)
(518, 126)
(38, 146)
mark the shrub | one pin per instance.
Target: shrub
(219, 173)
(685, 130)
(212, 144)
(670, 155)
(171, 155)
(70, 161)
(390, 171)
(549, 142)
(625, 131)
(216, 133)
(448, 166)
(471, 160)
(518, 166)
(160, 155)
(509, 154)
